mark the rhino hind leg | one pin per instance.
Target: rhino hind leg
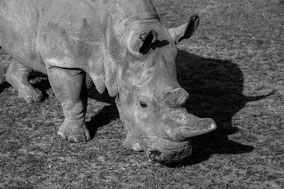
(70, 89)
(17, 75)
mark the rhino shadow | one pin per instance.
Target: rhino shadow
(3, 86)
(106, 115)
(215, 90)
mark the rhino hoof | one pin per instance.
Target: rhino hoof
(78, 138)
(155, 156)
(29, 99)
(36, 96)
(137, 147)
(64, 137)
(75, 137)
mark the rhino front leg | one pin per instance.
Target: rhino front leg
(70, 89)
(17, 75)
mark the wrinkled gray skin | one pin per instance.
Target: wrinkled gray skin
(115, 44)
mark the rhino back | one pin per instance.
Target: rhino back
(69, 33)
(72, 22)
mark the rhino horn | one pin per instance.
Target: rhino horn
(176, 97)
(196, 128)
(188, 125)
(186, 30)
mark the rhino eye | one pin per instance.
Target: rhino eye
(143, 104)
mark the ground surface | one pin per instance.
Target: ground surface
(230, 67)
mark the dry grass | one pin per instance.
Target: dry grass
(230, 67)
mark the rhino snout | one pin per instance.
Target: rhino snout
(155, 155)
(179, 127)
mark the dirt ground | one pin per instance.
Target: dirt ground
(233, 69)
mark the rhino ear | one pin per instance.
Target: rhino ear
(186, 30)
(143, 43)
(148, 40)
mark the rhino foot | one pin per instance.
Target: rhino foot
(17, 75)
(74, 133)
(30, 95)
(26, 91)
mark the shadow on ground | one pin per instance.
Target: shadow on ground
(3, 86)
(216, 91)
(105, 115)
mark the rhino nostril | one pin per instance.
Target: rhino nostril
(143, 104)
(155, 155)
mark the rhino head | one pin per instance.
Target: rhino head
(150, 98)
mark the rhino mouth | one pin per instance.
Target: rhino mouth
(169, 152)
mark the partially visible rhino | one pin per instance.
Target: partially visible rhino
(119, 45)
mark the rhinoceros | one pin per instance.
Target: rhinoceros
(118, 45)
